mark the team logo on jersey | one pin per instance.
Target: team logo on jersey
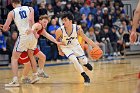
(69, 40)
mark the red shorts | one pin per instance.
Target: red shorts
(24, 57)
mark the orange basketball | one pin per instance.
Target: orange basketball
(96, 53)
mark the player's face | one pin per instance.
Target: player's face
(44, 23)
(66, 22)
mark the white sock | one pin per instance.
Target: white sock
(40, 70)
(15, 78)
(34, 74)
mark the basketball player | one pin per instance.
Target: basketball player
(25, 60)
(133, 36)
(38, 29)
(68, 35)
(24, 19)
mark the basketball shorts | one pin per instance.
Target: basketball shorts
(24, 57)
(76, 50)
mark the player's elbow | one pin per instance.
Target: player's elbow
(137, 11)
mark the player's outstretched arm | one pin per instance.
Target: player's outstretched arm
(58, 34)
(8, 21)
(136, 18)
(89, 41)
(50, 37)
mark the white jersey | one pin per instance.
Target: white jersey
(71, 40)
(21, 15)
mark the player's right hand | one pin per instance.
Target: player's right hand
(29, 31)
(133, 37)
(60, 43)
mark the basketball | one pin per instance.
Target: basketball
(96, 53)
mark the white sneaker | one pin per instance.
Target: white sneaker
(12, 84)
(26, 80)
(43, 74)
(115, 54)
(35, 79)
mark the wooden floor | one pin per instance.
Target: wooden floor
(118, 76)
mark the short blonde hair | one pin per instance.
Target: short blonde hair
(44, 17)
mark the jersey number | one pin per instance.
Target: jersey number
(22, 14)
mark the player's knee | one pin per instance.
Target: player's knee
(83, 60)
(27, 65)
(73, 58)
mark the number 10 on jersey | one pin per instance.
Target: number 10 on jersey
(22, 14)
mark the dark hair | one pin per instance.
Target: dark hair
(67, 15)
(16, 1)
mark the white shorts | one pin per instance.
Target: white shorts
(76, 50)
(25, 42)
(32, 42)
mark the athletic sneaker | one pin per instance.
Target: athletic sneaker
(26, 80)
(13, 84)
(86, 78)
(88, 66)
(35, 79)
(43, 74)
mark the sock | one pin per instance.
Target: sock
(15, 78)
(34, 74)
(40, 70)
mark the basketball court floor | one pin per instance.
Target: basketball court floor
(112, 76)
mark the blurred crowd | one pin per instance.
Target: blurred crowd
(103, 21)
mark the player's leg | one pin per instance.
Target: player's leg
(41, 63)
(70, 54)
(25, 78)
(34, 66)
(78, 51)
(138, 85)
(79, 68)
(19, 47)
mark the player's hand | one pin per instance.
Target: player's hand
(29, 31)
(60, 43)
(133, 37)
(61, 53)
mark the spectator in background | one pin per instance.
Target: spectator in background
(68, 8)
(42, 9)
(50, 10)
(2, 44)
(90, 21)
(52, 28)
(10, 44)
(98, 17)
(85, 9)
(93, 36)
(83, 23)
(107, 20)
(75, 5)
(106, 40)
(36, 10)
(100, 2)
(113, 39)
(126, 33)
(120, 42)
(93, 9)
(57, 8)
